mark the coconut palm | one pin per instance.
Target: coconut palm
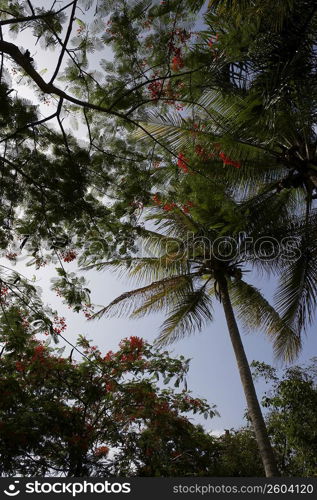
(275, 182)
(185, 271)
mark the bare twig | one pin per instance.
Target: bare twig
(68, 33)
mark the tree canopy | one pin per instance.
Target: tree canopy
(198, 116)
(105, 415)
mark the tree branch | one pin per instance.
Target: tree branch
(68, 33)
(34, 16)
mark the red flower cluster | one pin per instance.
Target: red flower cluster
(39, 351)
(20, 366)
(200, 151)
(167, 91)
(101, 451)
(156, 199)
(177, 63)
(109, 356)
(156, 89)
(4, 290)
(88, 311)
(69, 255)
(162, 407)
(136, 343)
(212, 40)
(227, 161)
(11, 256)
(109, 386)
(60, 325)
(130, 357)
(187, 206)
(169, 206)
(177, 60)
(182, 163)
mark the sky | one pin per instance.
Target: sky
(213, 373)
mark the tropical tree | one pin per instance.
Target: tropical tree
(251, 106)
(257, 111)
(291, 417)
(53, 186)
(190, 264)
(239, 454)
(104, 415)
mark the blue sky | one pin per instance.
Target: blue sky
(213, 372)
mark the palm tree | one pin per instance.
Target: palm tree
(277, 179)
(185, 271)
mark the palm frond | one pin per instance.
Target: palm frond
(255, 312)
(188, 315)
(296, 297)
(158, 295)
(156, 244)
(174, 224)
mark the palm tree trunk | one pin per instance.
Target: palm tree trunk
(312, 176)
(254, 409)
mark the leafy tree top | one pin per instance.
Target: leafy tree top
(104, 415)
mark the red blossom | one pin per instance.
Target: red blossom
(109, 356)
(109, 387)
(181, 163)
(101, 451)
(39, 351)
(136, 342)
(156, 199)
(88, 311)
(11, 256)
(60, 325)
(202, 153)
(177, 63)
(169, 206)
(155, 88)
(128, 358)
(227, 161)
(4, 290)
(69, 255)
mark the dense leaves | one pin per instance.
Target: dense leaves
(291, 419)
(105, 415)
(205, 112)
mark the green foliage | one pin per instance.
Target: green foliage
(291, 403)
(186, 267)
(238, 454)
(105, 415)
(225, 119)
